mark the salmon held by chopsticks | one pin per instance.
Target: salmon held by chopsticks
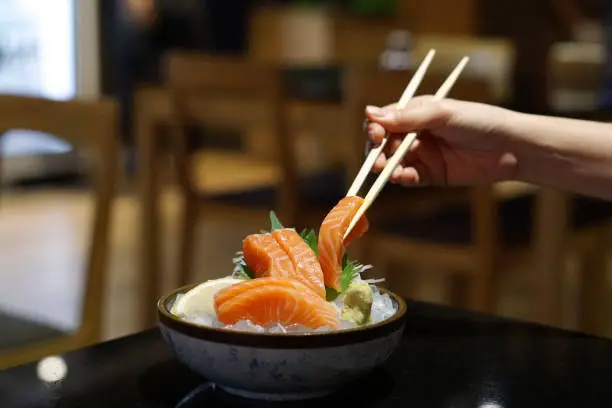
(332, 245)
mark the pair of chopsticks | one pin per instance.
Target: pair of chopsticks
(403, 148)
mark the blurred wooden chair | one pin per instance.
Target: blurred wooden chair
(576, 73)
(231, 94)
(90, 126)
(237, 93)
(470, 233)
(491, 59)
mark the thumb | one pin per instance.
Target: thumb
(418, 115)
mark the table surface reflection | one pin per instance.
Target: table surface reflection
(448, 358)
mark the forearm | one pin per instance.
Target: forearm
(568, 154)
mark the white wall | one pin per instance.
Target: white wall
(67, 66)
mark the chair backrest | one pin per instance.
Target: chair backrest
(492, 59)
(231, 92)
(576, 74)
(226, 91)
(84, 124)
(80, 123)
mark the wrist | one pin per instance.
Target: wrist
(515, 144)
(528, 149)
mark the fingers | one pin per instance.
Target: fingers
(427, 158)
(379, 165)
(421, 113)
(376, 133)
(408, 175)
(422, 165)
(392, 144)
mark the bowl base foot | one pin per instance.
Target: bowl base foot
(272, 396)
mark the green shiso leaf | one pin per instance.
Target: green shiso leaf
(241, 270)
(275, 224)
(350, 271)
(331, 294)
(310, 237)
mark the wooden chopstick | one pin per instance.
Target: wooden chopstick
(402, 150)
(409, 92)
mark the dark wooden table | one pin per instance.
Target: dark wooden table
(448, 358)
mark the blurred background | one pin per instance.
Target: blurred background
(226, 109)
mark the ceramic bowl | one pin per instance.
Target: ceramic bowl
(280, 367)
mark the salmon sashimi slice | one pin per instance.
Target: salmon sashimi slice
(225, 294)
(332, 245)
(305, 261)
(266, 301)
(265, 257)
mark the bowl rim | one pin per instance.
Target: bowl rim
(279, 340)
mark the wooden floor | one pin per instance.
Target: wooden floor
(44, 233)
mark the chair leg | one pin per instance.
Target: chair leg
(1, 164)
(187, 235)
(593, 290)
(457, 287)
(482, 290)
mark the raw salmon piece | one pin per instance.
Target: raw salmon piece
(265, 257)
(225, 294)
(266, 301)
(307, 267)
(331, 244)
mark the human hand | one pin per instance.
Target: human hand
(459, 143)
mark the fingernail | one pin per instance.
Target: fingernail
(370, 131)
(376, 112)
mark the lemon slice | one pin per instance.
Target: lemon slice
(200, 300)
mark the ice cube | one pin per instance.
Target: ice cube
(216, 322)
(297, 328)
(339, 302)
(345, 324)
(382, 307)
(277, 328)
(246, 325)
(202, 320)
(323, 329)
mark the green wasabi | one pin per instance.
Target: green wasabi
(357, 303)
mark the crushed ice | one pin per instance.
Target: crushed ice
(383, 308)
